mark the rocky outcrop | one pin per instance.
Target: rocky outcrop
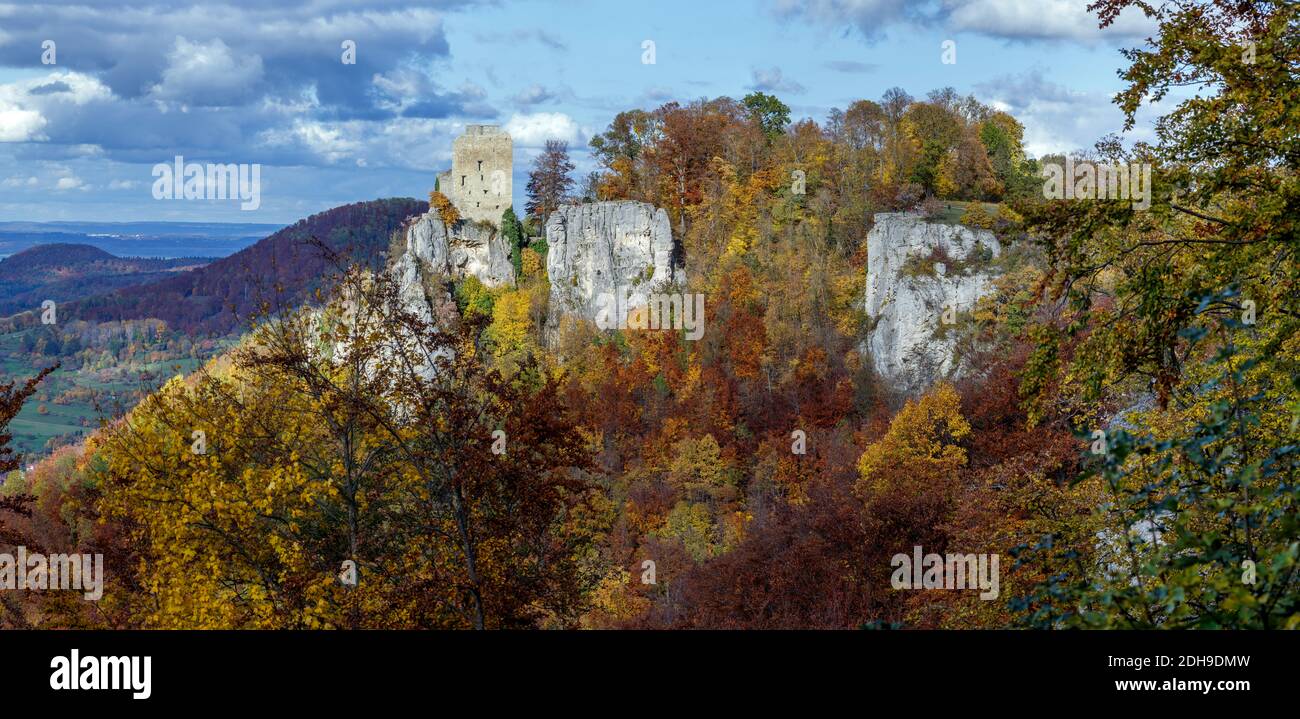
(468, 249)
(611, 249)
(426, 256)
(920, 277)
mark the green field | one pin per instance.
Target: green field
(34, 430)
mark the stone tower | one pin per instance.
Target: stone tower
(479, 182)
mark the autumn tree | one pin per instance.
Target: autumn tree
(12, 397)
(922, 451)
(620, 149)
(445, 208)
(360, 432)
(690, 137)
(1003, 136)
(492, 464)
(933, 130)
(549, 182)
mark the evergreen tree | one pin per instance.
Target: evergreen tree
(513, 231)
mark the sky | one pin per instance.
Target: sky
(94, 94)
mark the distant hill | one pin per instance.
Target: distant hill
(52, 255)
(283, 269)
(65, 272)
(137, 239)
(142, 229)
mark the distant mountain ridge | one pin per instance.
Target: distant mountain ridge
(283, 269)
(127, 229)
(137, 239)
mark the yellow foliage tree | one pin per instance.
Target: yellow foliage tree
(921, 450)
(218, 518)
(511, 322)
(945, 181)
(446, 210)
(976, 216)
(531, 261)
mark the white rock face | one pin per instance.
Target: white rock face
(907, 301)
(429, 255)
(605, 248)
(467, 250)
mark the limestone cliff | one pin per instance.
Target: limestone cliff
(920, 277)
(426, 255)
(606, 248)
(468, 249)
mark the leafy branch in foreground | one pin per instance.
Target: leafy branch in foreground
(1203, 518)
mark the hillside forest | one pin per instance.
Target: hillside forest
(1127, 442)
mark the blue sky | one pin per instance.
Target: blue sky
(255, 81)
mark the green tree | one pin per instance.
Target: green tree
(768, 112)
(1193, 300)
(1202, 524)
(513, 231)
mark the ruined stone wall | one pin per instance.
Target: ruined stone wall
(482, 166)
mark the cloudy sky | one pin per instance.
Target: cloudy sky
(259, 81)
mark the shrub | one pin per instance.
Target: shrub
(446, 210)
(531, 262)
(976, 216)
(931, 208)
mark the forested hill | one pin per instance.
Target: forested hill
(283, 268)
(63, 272)
(44, 257)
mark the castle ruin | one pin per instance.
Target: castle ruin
(479, 182)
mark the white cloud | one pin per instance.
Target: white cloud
(70, 183)
(535, 129)
(421, 144)
(18, 181)
(208, 74)
(18, 125)
(1041, 20)
(533, 95)
(329, 141)
(869, 16)
(773, 80)
(74, 87)
(1006, 19)
(412, 90)
(25, 104)
(1056, 118)
(123, 185)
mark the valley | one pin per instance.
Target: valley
(123, 325)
